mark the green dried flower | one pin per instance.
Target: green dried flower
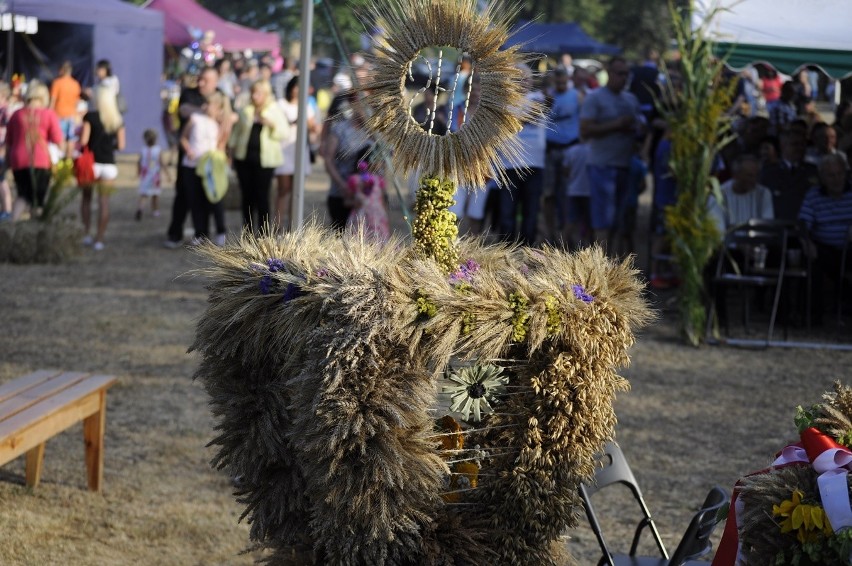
(520, 318)
(425, 307)
(805, 418)
(468, 323)
(434, 228)
(554, 317)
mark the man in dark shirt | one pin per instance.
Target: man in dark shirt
(790, 178)
(191, 101)
(430, 115)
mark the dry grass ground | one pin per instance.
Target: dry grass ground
(694, 417)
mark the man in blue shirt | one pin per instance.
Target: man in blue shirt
(610, 120)
(563, 131)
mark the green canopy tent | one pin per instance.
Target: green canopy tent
(787, 34)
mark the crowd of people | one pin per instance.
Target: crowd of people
(576, 180)
(41, 125)
(580, 174)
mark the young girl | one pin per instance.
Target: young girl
(366, 197)
(152, 163)
(203, 133)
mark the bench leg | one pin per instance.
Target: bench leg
(35, 458)
(93, 434)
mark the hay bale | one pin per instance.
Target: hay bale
(25, 242)
(59, 241)
(7, 231)
(33, 241)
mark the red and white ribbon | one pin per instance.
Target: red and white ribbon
(829, 459)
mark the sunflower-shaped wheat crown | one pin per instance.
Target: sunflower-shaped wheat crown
(471, 155)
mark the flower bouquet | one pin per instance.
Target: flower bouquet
(798, 511)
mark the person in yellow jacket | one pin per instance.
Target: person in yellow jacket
(255, 145)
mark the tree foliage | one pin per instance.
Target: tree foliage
(634, 25)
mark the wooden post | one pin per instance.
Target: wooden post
(35, 458)
(93, 434)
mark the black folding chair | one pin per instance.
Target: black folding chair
(799, 267)
(739, 265)
(616, 471)
(695, 542)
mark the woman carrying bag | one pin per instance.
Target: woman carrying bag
(103, 134)
(256, 149)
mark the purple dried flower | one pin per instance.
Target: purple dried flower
(265, 284)
(465, 273)
(293, 291)
(525, 270)
(322, 272)
(580, 293)
(275, 265)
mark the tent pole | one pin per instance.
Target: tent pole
(298, 212)
(10, 42)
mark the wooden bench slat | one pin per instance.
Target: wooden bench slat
(38, 430)
(33, 395)
(37, 406)
(12, 388)
(46, 408)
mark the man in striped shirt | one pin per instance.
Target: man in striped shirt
(827, 214)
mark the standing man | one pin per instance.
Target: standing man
(191, 101)
(563, 131)
(610, 120)
(524, 172)
(64, 97)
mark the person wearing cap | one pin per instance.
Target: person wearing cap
(341, 83)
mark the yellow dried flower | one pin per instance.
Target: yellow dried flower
(808, 521)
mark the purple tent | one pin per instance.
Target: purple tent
(85, 31)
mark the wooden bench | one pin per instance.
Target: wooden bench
(35, 407)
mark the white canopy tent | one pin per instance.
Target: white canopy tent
(787, 34)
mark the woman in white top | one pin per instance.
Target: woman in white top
(203, 133)
(284, 174)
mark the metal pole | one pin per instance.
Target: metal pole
(10, 41)
(297, 215)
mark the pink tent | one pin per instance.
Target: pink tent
(182, 15)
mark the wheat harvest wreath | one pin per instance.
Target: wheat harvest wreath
(435, 403)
